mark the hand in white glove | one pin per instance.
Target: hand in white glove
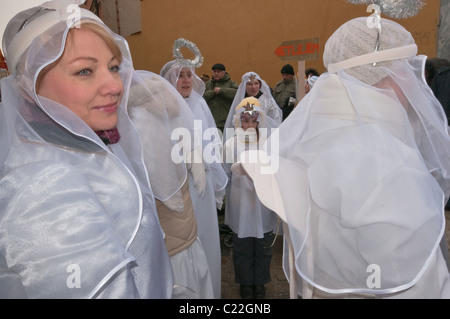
(219, 201)
(198, 172)
(292, 100)
(197, 167)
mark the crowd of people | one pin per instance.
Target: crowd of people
(111, 178)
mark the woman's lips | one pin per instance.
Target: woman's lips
(109, 108)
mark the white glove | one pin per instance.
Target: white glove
(195, 164)
(198, 172)
(219, 202)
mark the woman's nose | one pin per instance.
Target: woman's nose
(111, 83)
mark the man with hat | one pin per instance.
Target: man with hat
(219, 94)
(285, 90)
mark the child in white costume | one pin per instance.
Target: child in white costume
(251, 222)
(253, 86)
(363, 172)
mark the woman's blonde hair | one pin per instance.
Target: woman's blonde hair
(105, 35)
(98, 30)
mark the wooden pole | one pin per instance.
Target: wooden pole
(301, 80)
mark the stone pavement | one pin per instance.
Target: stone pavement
(278, 288)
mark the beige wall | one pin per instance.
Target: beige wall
(243, 34)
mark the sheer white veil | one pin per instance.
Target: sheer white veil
(171, 70)
(396, 71)
(268, 104)
(363, 165)
(36, 132)
(209, 135)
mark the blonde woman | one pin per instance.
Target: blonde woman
(77, 213)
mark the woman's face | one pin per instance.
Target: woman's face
(184, 82)
(86, 80)
(252, 87)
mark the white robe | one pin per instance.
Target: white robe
(212, 196)
(244, 212)
(365, 215)
(271, 108)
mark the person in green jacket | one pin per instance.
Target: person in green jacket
(285, 91)
(219, 94)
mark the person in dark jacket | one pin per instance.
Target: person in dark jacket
(286, 90)
(432, 67)
(441, 88)
(219, 94)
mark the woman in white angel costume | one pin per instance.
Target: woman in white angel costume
(363, 173)
(252, 85)
(208, 195)
(77, 214)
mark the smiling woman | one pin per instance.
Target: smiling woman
(207, 179)
(76, 206)
(86, 78)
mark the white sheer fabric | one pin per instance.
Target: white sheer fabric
(68, 203)
(268, 104)
(192, 275)
(165, 122)
(160, 116)
(363, 174)
(216, 179)
(244, 212)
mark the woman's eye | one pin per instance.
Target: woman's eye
(115, 68)
(84, 72)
